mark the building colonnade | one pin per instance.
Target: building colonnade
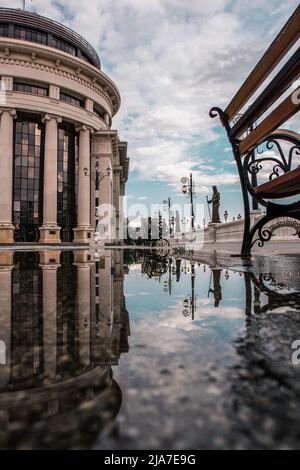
(103, 146)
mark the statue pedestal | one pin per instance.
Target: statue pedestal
(212, 228)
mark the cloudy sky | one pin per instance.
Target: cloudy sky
(172, 61)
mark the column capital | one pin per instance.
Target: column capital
(84, 127)
(6, 269)
(49, 267)
(82, 265)
(11, 111)
(48, 117)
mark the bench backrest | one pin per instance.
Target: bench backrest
(273, 91)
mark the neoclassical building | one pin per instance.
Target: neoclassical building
(59, 158)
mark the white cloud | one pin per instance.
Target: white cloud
(173, 60)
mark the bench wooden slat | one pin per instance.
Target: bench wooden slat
(284, 186)
(283, 80)
(282, 44)
(275, 119)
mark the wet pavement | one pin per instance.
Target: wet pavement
(139, 350)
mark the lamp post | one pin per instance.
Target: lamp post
(184, 222)
(188, 188)
(171, 218)
(97, 177)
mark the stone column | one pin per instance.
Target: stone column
(107, 119)
(6, 267)
(118, 170)
(50, 232)
(50, 264)
(6, 170)
(83, 265)
(123, 222)
(103, 151)
(83, 232)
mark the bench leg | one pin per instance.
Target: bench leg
(263, 235)
(247, 245)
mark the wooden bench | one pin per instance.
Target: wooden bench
(286, 185)
(259, 144)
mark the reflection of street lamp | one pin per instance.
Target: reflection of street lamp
(189, 304)
(188, 188)
(172, 271)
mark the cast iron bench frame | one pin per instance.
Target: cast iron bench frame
(247, 139)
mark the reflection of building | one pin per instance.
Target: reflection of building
(56, 116)
(60, 332)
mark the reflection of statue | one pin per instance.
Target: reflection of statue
(215, 201)
(217, 290)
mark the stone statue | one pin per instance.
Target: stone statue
(215, 201)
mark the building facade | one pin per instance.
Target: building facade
(59, 157)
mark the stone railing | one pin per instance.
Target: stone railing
(283, 228)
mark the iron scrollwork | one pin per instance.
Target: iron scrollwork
(266, 233)
(272, 157)
(281, 163)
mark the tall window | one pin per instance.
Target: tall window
(28, 155)
(66, 182)
(2, 352)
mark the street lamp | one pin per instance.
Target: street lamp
(171, 219)
(188, 189)
(97, 177)
(184, 223)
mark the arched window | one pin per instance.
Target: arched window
(2, 353)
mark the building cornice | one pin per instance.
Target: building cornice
(96, 80)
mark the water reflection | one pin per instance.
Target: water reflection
(210, 351)
(63, 325)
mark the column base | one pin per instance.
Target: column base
(50, 234)
(83, 234)
(6, 233)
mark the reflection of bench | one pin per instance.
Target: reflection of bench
(259, 145)
(276, 294)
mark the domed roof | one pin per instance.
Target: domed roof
(34, 22)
